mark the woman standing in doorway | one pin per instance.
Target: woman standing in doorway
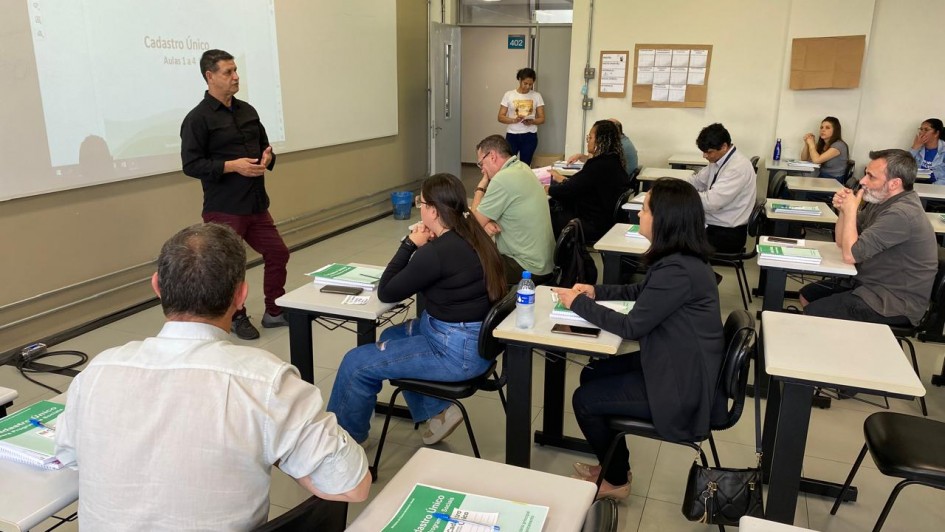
(523, 110)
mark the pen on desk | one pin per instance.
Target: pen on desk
(369, 276)
(39, 424)
(449, 519)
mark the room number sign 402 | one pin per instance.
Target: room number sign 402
(516, 42)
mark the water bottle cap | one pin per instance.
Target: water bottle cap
(526, 274)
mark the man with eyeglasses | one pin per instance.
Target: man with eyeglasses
(891, 242)
(511, 205)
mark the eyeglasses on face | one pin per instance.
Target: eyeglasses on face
(479, 162)
(417, 202)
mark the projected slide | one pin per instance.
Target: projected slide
(114, 93)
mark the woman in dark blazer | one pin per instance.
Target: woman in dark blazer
(676, 319)
(592, 193)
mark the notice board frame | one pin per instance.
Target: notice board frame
(696, 95)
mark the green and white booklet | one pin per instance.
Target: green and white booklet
(634, 232)
(364, 277)
(561, 313)
(433, 509)
(23, 442)
(788, 253)
(803, 210)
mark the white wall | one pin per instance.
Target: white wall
(902, 82)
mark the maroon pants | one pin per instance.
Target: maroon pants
(259, 231)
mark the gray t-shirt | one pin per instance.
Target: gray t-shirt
(896, 257)
(837, 166)
(629, 153)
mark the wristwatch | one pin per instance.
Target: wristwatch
(480, 189)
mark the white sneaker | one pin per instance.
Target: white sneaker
(442, 425)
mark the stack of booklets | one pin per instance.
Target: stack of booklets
(788, 253)
(804, 210)
(433, 509)
(802, 164)
(22, 441)
(564, 165)
(634, 232)
(562, 313)
(364, 277)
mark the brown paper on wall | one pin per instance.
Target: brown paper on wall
(827, 62)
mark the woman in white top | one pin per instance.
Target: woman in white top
(522, 110)
(828, 150)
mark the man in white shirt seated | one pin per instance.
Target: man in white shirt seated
(727, 189)
(180, 431)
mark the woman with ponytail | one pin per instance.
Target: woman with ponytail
(450, 260)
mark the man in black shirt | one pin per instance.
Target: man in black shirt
(224, 145)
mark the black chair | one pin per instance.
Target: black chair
(7, 395)
(601, 517)
(848, 173)
(754, 163)
(777, 184)
(489, 348)
(903, 446)
(634, 182)
(573, 263)
(737, 260)
(740, 335)
(621, 215)
(312, 514)
(905, 333)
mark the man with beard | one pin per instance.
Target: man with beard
(891, 242)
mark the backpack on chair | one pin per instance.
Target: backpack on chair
(573, 263)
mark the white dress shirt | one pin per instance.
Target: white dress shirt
(180, 432)
(729, 201)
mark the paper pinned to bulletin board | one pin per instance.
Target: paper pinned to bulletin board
(613, 74)
(671, 75)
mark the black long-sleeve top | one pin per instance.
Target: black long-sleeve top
(212, 134)
(448, 273)
(592, 193)
(677, 320)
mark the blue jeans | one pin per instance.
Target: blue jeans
(523, 145)
(423, 348)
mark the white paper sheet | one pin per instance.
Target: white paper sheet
(677, 93)
(646, 58)
(678, 75)
(660, 93)
(664, 58)
(696, 76)
(613, 73)
(661, 75)
(645, 76)
(680, 58)
(698, 58)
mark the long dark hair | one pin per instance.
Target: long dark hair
(607, 140)
(678, 221)
(936, 126)
(447, 194)
(823, 145)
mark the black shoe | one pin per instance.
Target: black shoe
(269, 321)
(244, 328)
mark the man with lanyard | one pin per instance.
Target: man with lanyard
(727, 189)
(224, 145)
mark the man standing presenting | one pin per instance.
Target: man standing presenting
(224, 145)
(727, 189)
(181, 431)
(512, 206)
(891, 242)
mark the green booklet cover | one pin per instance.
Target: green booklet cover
(795, 208)
(348, 275)
(634, 231)
(789, 252)
(416, 512)
(21, 441)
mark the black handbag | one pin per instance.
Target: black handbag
(721, 495)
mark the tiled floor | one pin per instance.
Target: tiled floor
(659, 469)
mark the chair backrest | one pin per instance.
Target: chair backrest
(848, 173)
(757, 218)
(937, 298)
(490, 347)
(754, 163)
(740, 336)
(601, 517)
(621, 214)
(573, 264)
(312, 514)
(777, 184)
(851, 182)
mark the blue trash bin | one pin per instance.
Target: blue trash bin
(402, 201)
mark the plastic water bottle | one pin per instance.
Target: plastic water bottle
(525, 302)
(777, 150)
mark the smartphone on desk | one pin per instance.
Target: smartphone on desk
(783, 240)
(345, 290)
(576, 330)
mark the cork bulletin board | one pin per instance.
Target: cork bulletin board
(671, 75)
(827, 62)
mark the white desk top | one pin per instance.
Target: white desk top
(937, 224)
(930, 191)
(309, 298)
(688, 159)
(753, 524)
(616, 240)
(832, 260)
(567, 499)
(827, 216)
(812, 184)
(771, 164)
(846, 353)
(605, 344)
(635, 204)
(652, 174)
(31, 495)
